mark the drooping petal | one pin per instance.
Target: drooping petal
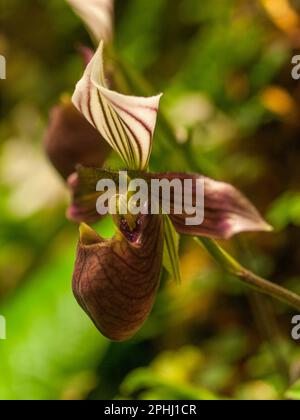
(70, 140)
(97, 15)
(126, 122)
(227, 211)
(115, 281)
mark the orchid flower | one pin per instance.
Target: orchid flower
(115, 281)
(97, 15)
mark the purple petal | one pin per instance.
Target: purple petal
(70, 140)
(227, 211)
(115, 281)
(86, 53)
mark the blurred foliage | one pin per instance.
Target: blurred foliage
(294, 392)
(225, 69)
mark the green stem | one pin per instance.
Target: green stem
(229, 264)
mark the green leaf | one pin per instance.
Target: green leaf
(171, 248)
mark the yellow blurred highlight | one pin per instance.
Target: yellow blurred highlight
(65, 99)
(282, 15)
(79, 386)
(258, 391)
(179, 366)
(278, 101)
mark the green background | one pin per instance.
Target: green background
(225, 68)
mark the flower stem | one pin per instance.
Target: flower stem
(229, 264)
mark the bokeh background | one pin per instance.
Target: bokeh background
(225, 68)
